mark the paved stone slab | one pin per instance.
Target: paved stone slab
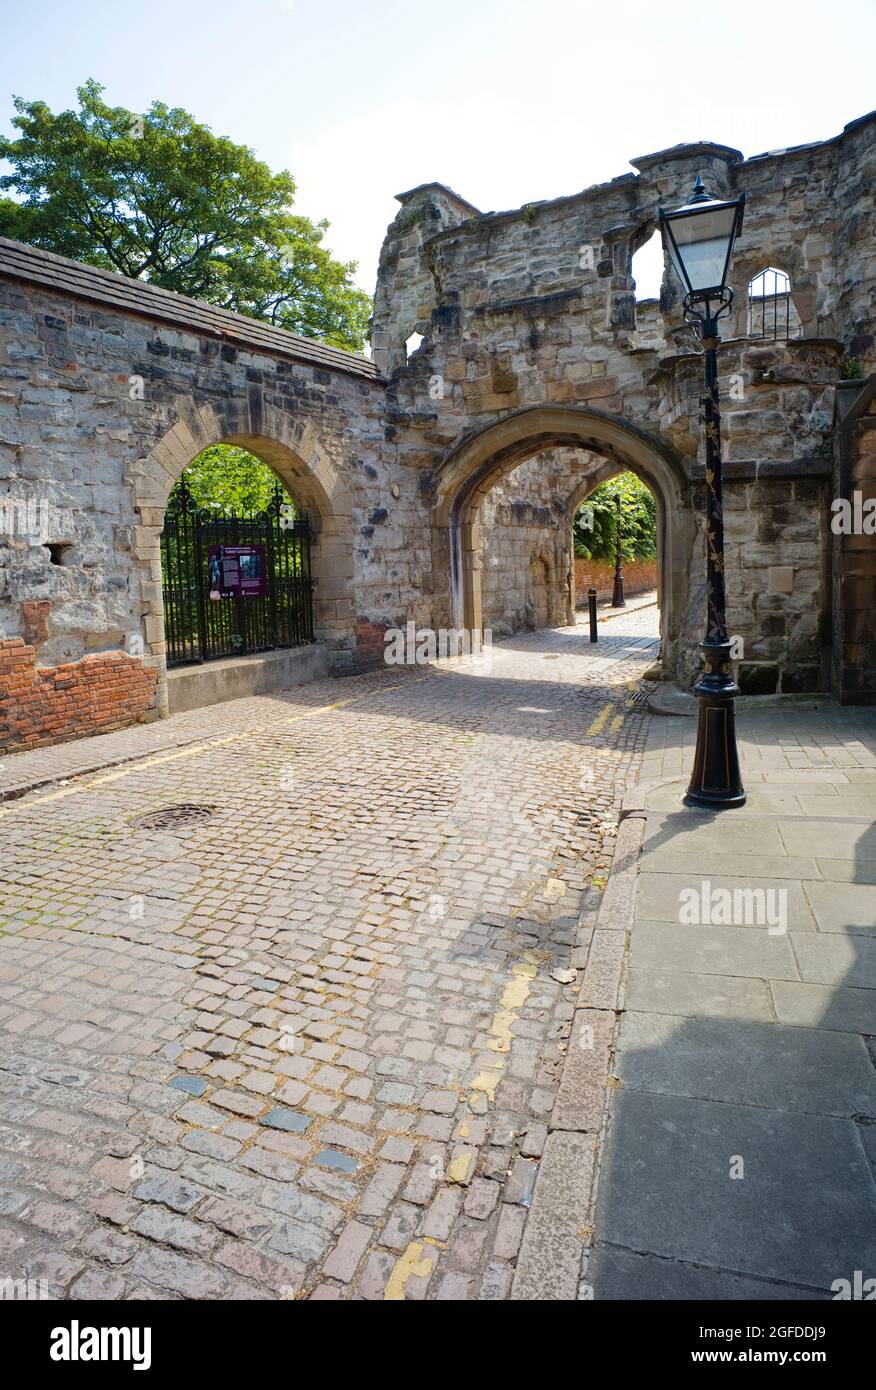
(760, 799)
(842, 906)
(695, 832)
(824, 838)
(846, 870)
(836, 959)
(804, 1070)
(619, 1274)
(804, 1212)
(661, 896)
(745, 951)
(663, 859)
(818, 1006)
(855, 802)
(704, 996)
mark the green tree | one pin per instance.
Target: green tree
(596, 541)
(231, 479)
(159, 197)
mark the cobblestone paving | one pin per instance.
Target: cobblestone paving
(307, 1045)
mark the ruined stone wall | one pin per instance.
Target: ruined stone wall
(101, 409)
(534, 319)
(533, 345)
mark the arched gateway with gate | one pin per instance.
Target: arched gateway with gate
(532, 345)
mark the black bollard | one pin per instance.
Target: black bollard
(591, 603)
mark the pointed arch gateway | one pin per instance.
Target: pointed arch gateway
(294, 452)
(469, 471)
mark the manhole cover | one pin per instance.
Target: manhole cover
(170, 817)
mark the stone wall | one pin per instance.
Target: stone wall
(102, 407)
(525, 524)
(529, 579)
(532, 340)
(535, 357)
(853, 667)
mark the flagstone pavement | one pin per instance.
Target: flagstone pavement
(738, 1157)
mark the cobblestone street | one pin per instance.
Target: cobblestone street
(302, 1037)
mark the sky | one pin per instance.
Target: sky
(506, 101)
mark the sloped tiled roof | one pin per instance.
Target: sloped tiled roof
(105, 287)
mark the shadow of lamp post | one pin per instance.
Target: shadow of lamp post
(698, 239)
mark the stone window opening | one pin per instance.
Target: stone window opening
(413, 343)
(772, 312)
(646, 268)
(58, 552)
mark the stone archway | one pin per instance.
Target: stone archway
(474, 465)
(605, 470)
(293, 451)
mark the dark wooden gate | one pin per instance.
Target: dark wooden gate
(234, 584)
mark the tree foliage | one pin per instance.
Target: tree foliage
(638, 521)
(231, 480)
(159, 197)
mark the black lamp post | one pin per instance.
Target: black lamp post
(698, 238)
(618, 600)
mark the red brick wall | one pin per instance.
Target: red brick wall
(639, 576)
(40, 705)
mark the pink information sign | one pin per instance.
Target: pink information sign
(237, 570)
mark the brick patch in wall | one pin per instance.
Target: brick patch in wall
(369, 648)
(42, 705)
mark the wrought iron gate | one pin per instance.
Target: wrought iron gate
(234, 584)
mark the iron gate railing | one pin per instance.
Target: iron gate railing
(234, 584)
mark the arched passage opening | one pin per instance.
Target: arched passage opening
(235, 561)
(474, 466)
(611, 520)
(293, 453)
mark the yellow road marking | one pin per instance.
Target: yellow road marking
(459, 1168)
(415, 1260)
(600, 721)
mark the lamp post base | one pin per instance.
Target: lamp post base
(716, 782)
